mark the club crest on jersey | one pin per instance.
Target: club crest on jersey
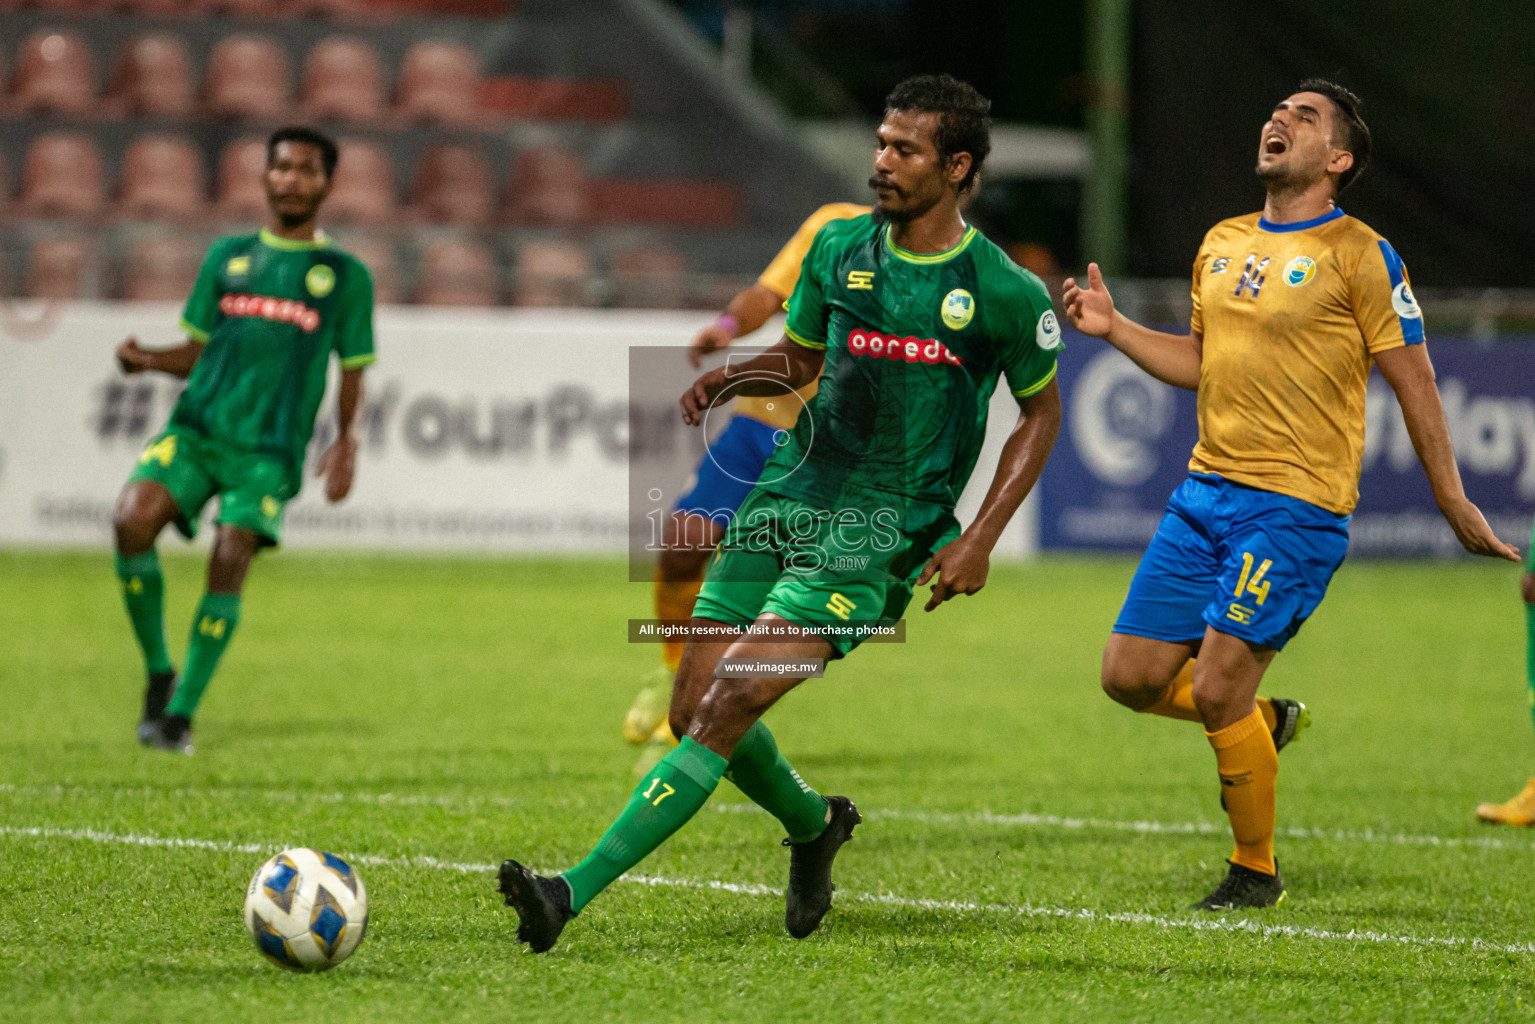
(861, 342)
(1047, 333)
(958, 309)
(1405, 304)
(1299, 271)
(320, 280)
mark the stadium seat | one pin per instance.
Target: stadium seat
(681, 203)
(344, 79)
(377, 254)
(343, 10)
(162, 177)
(552, 273)
(239, 193)
(152, 78)
(547, 187)
(247, 77)
(439, 81)
(649, 277)
(60, 267)
(242, 8)
(61, 177)
(160, 268)
(456, 273)
(364, 187)
(152, 8)
(554, 98)
(453, 186)
(54, 74)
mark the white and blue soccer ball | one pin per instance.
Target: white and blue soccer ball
(307, 910)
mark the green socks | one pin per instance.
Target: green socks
(760, 771)
(662, 803)
(144, 596)
(212, 627)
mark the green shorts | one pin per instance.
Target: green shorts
(253, 490)
(839, 574)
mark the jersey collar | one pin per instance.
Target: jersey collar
(929, 257)
(321, 241)
(1264, 224)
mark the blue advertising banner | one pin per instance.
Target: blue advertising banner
(1126, 438)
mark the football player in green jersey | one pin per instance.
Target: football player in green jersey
(907, 317)
(267, 311)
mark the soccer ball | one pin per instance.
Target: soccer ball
(306, 910)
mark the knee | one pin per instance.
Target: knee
(1129, 684)
(133, 530)
(731, 701)
(1527, 587)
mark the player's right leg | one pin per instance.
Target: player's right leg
(1521, 809)
(169, 485)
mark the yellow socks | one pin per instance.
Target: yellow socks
(674, 604)
(1248, 765)
(1178, 701)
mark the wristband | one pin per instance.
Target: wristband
(730, 324)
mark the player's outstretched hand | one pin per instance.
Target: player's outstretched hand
(697, 399)
(959, 567)
(131, 358)
(1090, 310)
(1474, 534)
(710, 339)
(338, 466)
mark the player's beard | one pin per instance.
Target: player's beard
(293, 219)
(906, 214)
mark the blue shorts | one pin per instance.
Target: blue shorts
(729, 469)
(1249, 563)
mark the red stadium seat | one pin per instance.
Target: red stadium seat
(649, 277)
(552, 273)
(440, 81)
(342, 10)
(54, 74)
(60, 268)
(455, 273)
(681, 203)
(363, 192)
(453, 186)
(243, 8)
(153, 78)
(554, 98)
(239, 193)
(548, 187)
(377, 254)
(162, 178)
(343, 78)
(62, 177)
(160, 268)
(247, 77)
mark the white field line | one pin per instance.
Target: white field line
(965, 818)
(1201, 924)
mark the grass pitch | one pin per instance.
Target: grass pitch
(1028, 853)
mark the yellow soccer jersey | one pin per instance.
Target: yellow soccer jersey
(780, 277)
(1292, 316)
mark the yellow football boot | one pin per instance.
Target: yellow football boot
(1518, 811)
(661, 743)
(650, 707)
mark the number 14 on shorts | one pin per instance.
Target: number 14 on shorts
(1249, 582)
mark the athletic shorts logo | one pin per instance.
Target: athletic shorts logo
(1047, 333)
(931, 351)
(958, 309)
(269, 506)
(1299, 271)
(238, 266)
(320, 280)
(1404, 303)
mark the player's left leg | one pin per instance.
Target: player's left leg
(1521, 809)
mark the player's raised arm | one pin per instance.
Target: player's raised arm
(1411, 375)
(787, 366)
(750, 309)
(1170, 358)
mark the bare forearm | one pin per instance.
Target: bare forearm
(1170, 358)
(1023, 459)
(787, 366)
(752, 307)
(178, 361)
(1429, 430)
(348, 400)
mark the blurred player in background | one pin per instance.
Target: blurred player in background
(913, 316)
(1291, 306)
(267, 311)
(725, 475)
(1521, 809)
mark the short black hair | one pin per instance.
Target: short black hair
(1350, 131)
(964, 124)
(302, 133)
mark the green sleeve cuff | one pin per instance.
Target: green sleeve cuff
(194, 332)
(357, 362)
(799, 339)
(1037, 386)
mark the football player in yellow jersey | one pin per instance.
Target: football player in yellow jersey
(725, 475)
(1291, 308)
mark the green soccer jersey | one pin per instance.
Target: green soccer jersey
(270, 311)
(914, 345)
